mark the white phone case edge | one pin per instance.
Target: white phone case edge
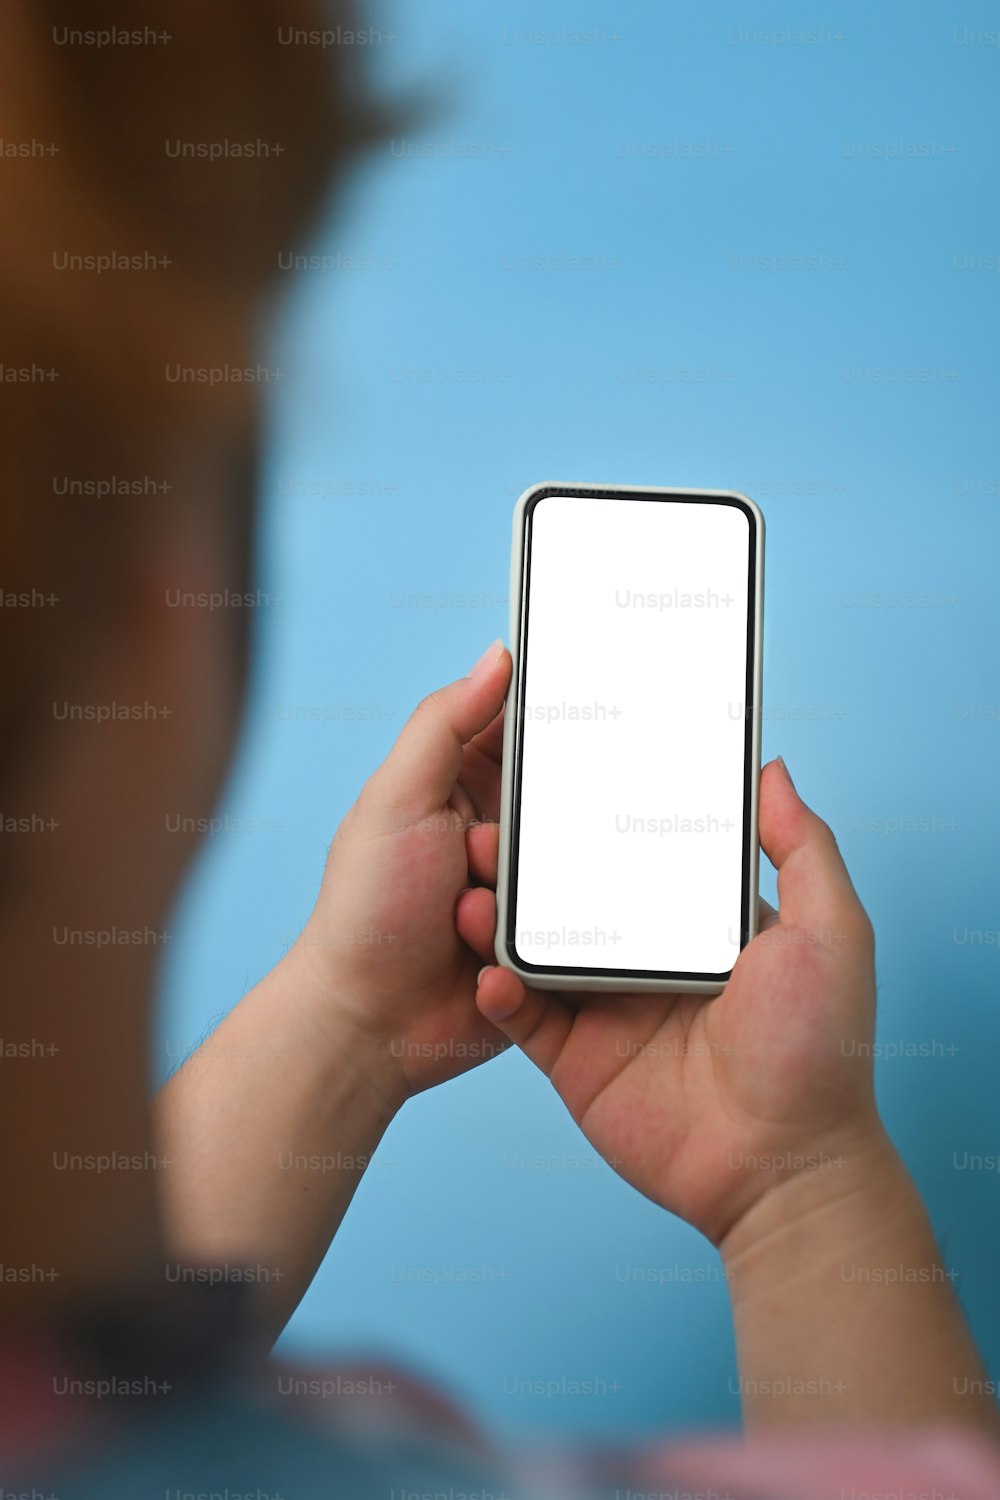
(612, 983)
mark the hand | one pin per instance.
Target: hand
(702, 1104)
(380, 958)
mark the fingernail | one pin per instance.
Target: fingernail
(487, 659)
(781, 763)
(484, 970)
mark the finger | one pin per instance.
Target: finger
(814, 889)
(481, 778)
(537, 1022)
(421, 769)
(481, 768)
(476, 920)
(462, 803)
(482, 845)
(490, 741)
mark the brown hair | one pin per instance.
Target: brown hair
(194, 142)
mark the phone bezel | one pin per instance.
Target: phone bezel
(594, 977)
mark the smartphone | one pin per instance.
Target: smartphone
(628, 825)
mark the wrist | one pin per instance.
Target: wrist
(327, 1026)
(843, 1308)
(854, 1199)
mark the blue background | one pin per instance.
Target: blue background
(872, 485)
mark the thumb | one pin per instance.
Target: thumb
(421, 769)
(815, 893)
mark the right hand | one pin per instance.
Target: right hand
(707, 1104)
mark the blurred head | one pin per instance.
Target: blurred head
(152, 170)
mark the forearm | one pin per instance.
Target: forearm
(267, 1129)
(843, 1309)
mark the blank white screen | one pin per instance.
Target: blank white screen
(632, 774)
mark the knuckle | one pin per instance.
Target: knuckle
(858, 929)
(866, 930)
(826, 835)
(433, 703)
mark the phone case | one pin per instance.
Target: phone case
(582, 981)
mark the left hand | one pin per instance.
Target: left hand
(380, 956)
